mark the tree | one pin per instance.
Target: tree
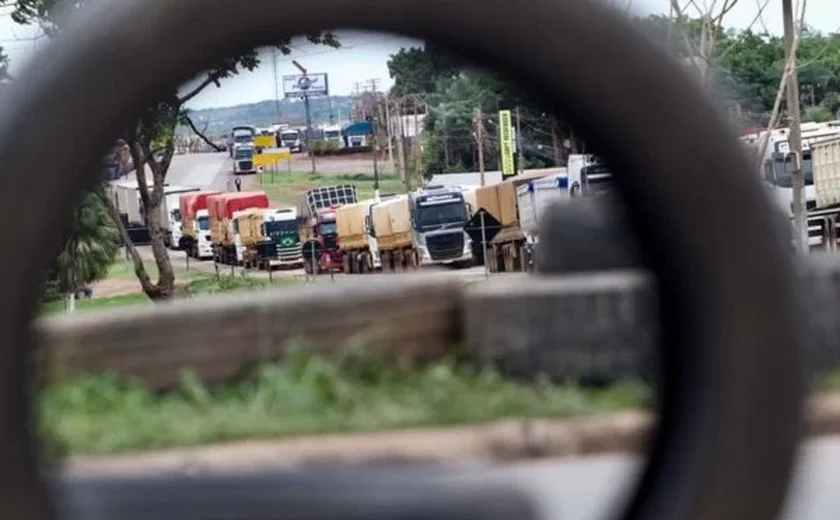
(151, 139)
(89, 251)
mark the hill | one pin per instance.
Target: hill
(219, 121)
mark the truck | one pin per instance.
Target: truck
(222, 209)
(775, 172)
(243, 134)
(195, 224)
(243, 158)
(292, 139)
(518, 202)
(270, 238)
(360, 250)
(426, 227)
(316, 210)
(334, 134)
(126, 197)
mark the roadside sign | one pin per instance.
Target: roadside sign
(506, 143)
(491, 227)
(265, 141)
(271, 156)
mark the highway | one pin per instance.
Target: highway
(590, 488)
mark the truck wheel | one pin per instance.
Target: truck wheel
(507, 258)
(385, 261)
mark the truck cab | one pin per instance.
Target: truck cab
(291, 139)
(588, 176)
(438, 216)
(243, 159)
(334, 134)
(204, 245)
(281, 228)
(240, 135)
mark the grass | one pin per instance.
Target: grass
(97, 303)
(282, 188)
(306, 394)
(124, 270)
(199, 284)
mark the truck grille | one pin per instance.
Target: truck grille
(447, 246)
(246, 165)
(330, 242)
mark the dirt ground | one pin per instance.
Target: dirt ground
(115, 287)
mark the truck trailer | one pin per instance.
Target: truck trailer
(222, 209)
(517, 203)
(195, 224)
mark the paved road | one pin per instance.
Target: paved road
(179, 261)
(592, 487)
(204, 170)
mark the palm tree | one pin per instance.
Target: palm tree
(89, 251)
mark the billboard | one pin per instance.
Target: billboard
(300, 85)
(506, 144)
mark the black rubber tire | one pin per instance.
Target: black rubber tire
(720, 451)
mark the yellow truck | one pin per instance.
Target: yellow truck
(506, 252)
(353, 238)
(392, 228)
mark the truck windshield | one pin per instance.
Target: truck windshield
(244, 154)
(441, 214)
(332, 134)
(291, 136)
(203, 223)
(278, 228)
(328, 228)
(176, 215)
(243, 138)
(777, 170)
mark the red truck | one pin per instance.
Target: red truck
(222, 208)
(195, 224)
(319, 231)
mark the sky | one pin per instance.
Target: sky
(364, 56)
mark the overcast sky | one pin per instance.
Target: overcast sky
(363, 56)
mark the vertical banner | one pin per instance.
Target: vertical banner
(506, 144)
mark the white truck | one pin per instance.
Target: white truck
(243, 158)
(334, 134)
(292, 139)
(126, 196)
(775, 171)
(241, 135)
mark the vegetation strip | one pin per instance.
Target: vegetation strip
(305, 394)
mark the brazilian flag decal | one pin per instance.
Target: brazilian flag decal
(288, 241)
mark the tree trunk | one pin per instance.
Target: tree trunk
(151, 290)
(157, 235)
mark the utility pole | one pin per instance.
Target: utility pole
(555, 143)
(795, 135)
(403, 167)
(276, 86)
(389, 130)
(375, 144)
(416, 142)
(519, 163)
(479, 137)
(308, 119)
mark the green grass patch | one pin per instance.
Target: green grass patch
(200, 284)
(123, 269)
(123, 300)
(282, 187)
(305, 394)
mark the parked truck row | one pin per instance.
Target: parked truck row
(332, 230)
